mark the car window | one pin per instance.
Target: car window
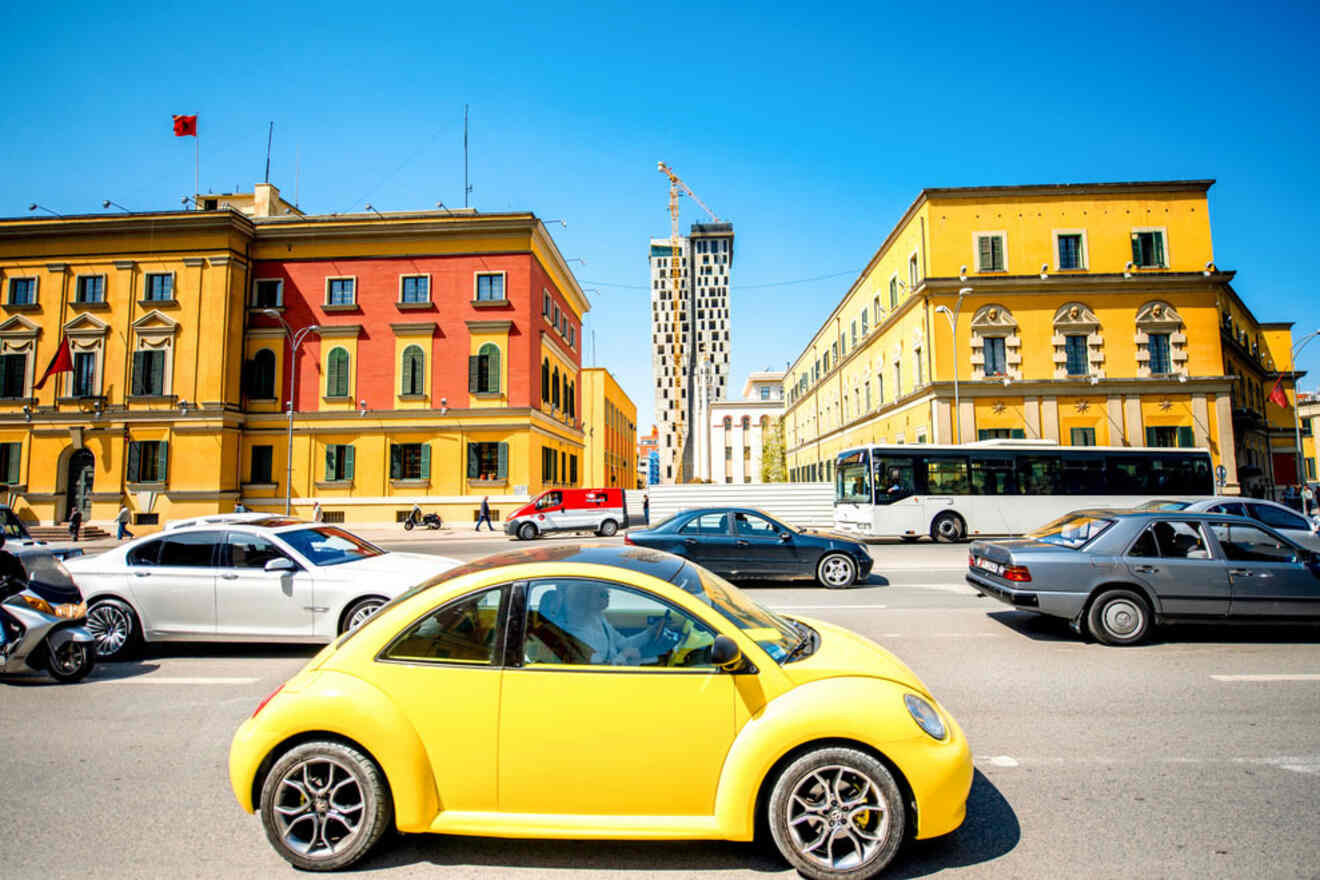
(707, 524)
(752, 526)
(1244, 543)
(327, 545)
(13, 526)
(893, 479)
(1073, 531)
(251, 551)
(1171, 539)
(191, 549)
(1279, 519)
(460, 632)
(578, 621)
(550, 499)
(145, 553)
(1232, 508)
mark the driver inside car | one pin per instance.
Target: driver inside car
(583, 617)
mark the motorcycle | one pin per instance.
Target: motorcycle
(45, 628)
(427, 520)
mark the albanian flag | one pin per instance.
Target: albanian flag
(185, 125)
(61, 363)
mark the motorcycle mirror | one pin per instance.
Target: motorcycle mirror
(724, 653)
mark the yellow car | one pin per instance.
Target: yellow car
(620, 693)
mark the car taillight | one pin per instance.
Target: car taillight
(971, 561)
(270, 696)
(1017, 573)
(627, 539)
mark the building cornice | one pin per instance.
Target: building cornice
(126, 224)
(1067, 190)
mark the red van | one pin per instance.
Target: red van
(569, 510)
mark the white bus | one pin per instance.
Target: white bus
(1001, 487)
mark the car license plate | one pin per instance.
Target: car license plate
(989, 565)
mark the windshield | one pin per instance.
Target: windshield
(327, 545)
(1164, 505)
(666, 523)
(1071, 531)
(772, 632)
(852, 478)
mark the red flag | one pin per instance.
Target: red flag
(1277, 397)
(61, 363)
(185, 125)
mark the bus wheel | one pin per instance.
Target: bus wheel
(949, 528)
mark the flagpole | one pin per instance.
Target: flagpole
(197, 167)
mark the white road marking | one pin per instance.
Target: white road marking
(1003, 761)
(819, 607)
(158, 679)
(1300, 676)
(1307, 764)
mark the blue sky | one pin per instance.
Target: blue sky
(811, 128)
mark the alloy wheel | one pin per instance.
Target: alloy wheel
(361, 612)
(837, 818)
(836, 571)
(111, 625)
(319, 808)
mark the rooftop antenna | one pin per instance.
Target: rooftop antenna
(270, 134)
(297, 172)
(467, 188)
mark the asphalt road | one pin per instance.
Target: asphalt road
(1195, 756)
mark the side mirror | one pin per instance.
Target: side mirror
(280, 563)
(785, 536)
(725, 654)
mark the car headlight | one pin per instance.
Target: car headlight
(925, 715)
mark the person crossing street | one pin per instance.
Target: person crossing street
(484, 516)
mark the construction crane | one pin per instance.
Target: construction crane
(675, 275)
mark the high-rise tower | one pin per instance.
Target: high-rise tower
(706, 256)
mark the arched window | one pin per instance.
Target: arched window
(545, 381)
(484, 370)
(414, 370)
(570, 399)
(728, 423)
(746, 423)
(765, 422)
(554, 388)
(261, 375)
(336, 374)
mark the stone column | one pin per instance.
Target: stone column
(1200, 420)
(943, 421)
(1114, 410)
(1049, 418)
(1031, 416)
(1135, 430)
(1227, 453)
(966, 421)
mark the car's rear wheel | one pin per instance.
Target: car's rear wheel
(325, 805)
(837, 814)
(836, 571)
(1119, 617)
(361, 610)
(949, 528)
(608, 528)
(116, 628)
(527, 532)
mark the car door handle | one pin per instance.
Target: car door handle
(229, 577)
(690, 541)
(1244, 572)
(1145, 569)
(142, 574)
(744, 544)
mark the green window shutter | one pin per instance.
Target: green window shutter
(474, 365)
(134, 460)
(162, 461)
(15, 455)
(1018, 434)
(472, 461)
(157, 373)
(1158, 238)
(330, 462)
(1185, 438)
(426, 461)
(139, 373)
(1150, 437)
(493, 375)
(348, 461)
(503, 467)
(396, 463)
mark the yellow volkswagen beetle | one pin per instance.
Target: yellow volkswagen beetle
(581, 693)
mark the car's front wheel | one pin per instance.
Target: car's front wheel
(1119, 617)
(837, 814)
(116, 628)
(361, 610)
(325, 805)
(836, 571)
(527, 532)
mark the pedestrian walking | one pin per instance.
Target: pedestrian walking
(75, 523)
(317, 514)
(484, 516)
(121, 524)
(646, 508)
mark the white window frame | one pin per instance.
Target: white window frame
(36, 289)
(425, 275)
(547, 302)
(914, 269)
(504, 284)
(976, 249)
(895, 296)
(1085, 255)
(77, 280)
(1164, 234)
(174, 286)
(279, 298)
(325, 301)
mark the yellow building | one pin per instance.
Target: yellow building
(610, 419)
(438, 362)
(1087, 314)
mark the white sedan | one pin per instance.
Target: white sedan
(1283, 520)
(272, 579)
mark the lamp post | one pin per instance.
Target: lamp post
(1297, 418)
(295, 341)
(952, 318)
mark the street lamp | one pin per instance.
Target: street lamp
(295, 340)
(953, 331)
(1297, 418)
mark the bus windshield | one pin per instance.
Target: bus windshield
(852, 478)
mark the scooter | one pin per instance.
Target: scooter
(428, 520)
(45, 628)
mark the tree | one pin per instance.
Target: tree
(773, 469)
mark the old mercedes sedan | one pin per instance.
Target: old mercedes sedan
(601, 693)
(1116, 574)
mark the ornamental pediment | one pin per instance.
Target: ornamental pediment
(86, 324)
(19, 326)
(1076, 316)
(155, 323)
(993, 317)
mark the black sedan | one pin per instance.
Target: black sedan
(741, 543)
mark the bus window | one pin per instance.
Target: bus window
(1083, 475)
(1127, 474)
(1039, 474)
(946, 476)
(893, 479)
(993, 475)
(852, 480)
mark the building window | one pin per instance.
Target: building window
(765, 392)
(546, 304)
(84, 373)
(1070, 250)
(488, 461)
(22, 291)
(990, 252)
(914, 272)
(414, 370)
(261, 375)
(338, 462)
(11, 454)
(1148, 249)
(893, 292)
(1083, 437)
(1077, 353)
(1158, 345)
(148, 461)
(148, 373)
(863, 317)
(728, 453)
(13, 375)
(336, 373)
(853, 329)
(340, 291)
(554, 388)
(898, 379)
(484, 370)
(410, 461)
(415, 289)
(91, 289)
(268, 293)
(918, 368)
(159, 287)
(572, 336)
(995, 364)
(490, 287)
(260, 471)
(545, 381)
(1165, 437)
